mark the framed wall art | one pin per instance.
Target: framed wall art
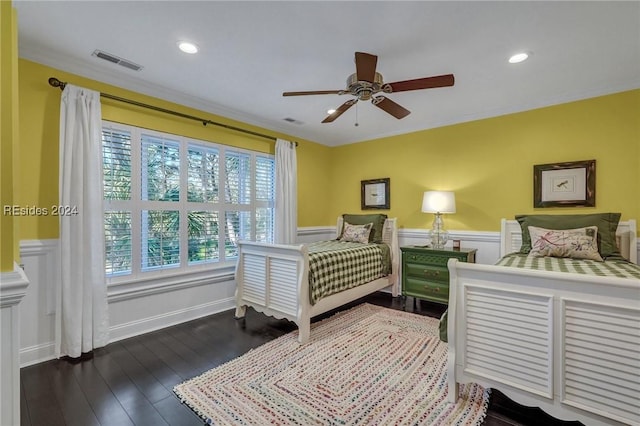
(565, 184)
(375, 194)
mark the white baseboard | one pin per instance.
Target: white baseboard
(46, 351)
(37, 354)
(157, 322)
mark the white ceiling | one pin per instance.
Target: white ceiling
(251, 52)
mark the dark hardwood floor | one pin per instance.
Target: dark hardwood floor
(130, 382)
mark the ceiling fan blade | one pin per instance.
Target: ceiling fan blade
(391, 107)
(341, 109)
(419, 83)
(315, 92)
(366, 66)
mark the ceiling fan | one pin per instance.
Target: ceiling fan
(366, 83)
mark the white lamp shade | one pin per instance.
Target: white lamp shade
(439, 202)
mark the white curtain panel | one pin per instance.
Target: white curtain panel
(82, 313)
(286, 214)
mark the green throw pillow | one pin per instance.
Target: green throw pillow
(362, 219)
(607, 224)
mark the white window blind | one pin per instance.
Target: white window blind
(204, 174)
(117, 225)
(161, 169)
(237, 227)
(265, 197)
(116, 170)
(178, 203)
(160, 239)
(238, 178)
(203, 236)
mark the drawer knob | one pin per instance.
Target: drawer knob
(432, 289)
(430, 273)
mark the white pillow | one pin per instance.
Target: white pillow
(579, 243)
(356, 233)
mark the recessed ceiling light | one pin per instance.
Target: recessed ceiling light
(518, 57)
(187, 47)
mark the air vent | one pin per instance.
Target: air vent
(292, 120)
(116, 60)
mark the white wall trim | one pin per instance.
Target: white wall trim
(157, 302)
(126, 290)
(47, 248)
(157, 322)
(13, 288)
(37, 247)
(37, 353)
(482, 236)
(315, 230)
(179, 295)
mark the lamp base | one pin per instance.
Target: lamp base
(439, 236)
(439, 240)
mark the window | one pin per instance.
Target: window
(177, 203)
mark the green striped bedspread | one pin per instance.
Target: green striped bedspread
(335, 266)
(613, 266)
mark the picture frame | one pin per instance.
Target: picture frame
(375, 194)
(567, 184)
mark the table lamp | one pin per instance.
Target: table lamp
(438, 202)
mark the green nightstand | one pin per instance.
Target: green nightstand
(425, 274)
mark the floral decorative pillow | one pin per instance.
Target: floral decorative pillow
(579, 243)
(356, 233)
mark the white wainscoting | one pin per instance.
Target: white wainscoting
(37, 326)
(134, 307)
(13, 288)
(146, 305)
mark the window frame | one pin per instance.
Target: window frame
(137, 204)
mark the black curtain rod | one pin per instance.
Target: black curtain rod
(61, 84)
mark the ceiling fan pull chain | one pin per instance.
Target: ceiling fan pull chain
(356, 124)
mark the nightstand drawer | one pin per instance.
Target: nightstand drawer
(426, 259)
(435, 273)
(428, 290)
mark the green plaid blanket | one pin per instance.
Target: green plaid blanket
(337, 265)
(613, 266)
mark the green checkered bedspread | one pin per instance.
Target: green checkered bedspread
(335, 266)
(614, 266)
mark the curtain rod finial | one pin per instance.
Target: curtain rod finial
(57, 83)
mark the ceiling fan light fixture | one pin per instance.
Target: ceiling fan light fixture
(187, 47)
(331, 110)
(518, 57)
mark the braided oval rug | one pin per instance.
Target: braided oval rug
(366, 366)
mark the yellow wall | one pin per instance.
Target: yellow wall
(489, 163)
(39, 127)
(8, 130)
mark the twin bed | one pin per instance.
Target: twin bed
(566, 340)
(275, 279)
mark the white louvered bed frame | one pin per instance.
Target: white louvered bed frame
(567, 343)
(274, 279)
